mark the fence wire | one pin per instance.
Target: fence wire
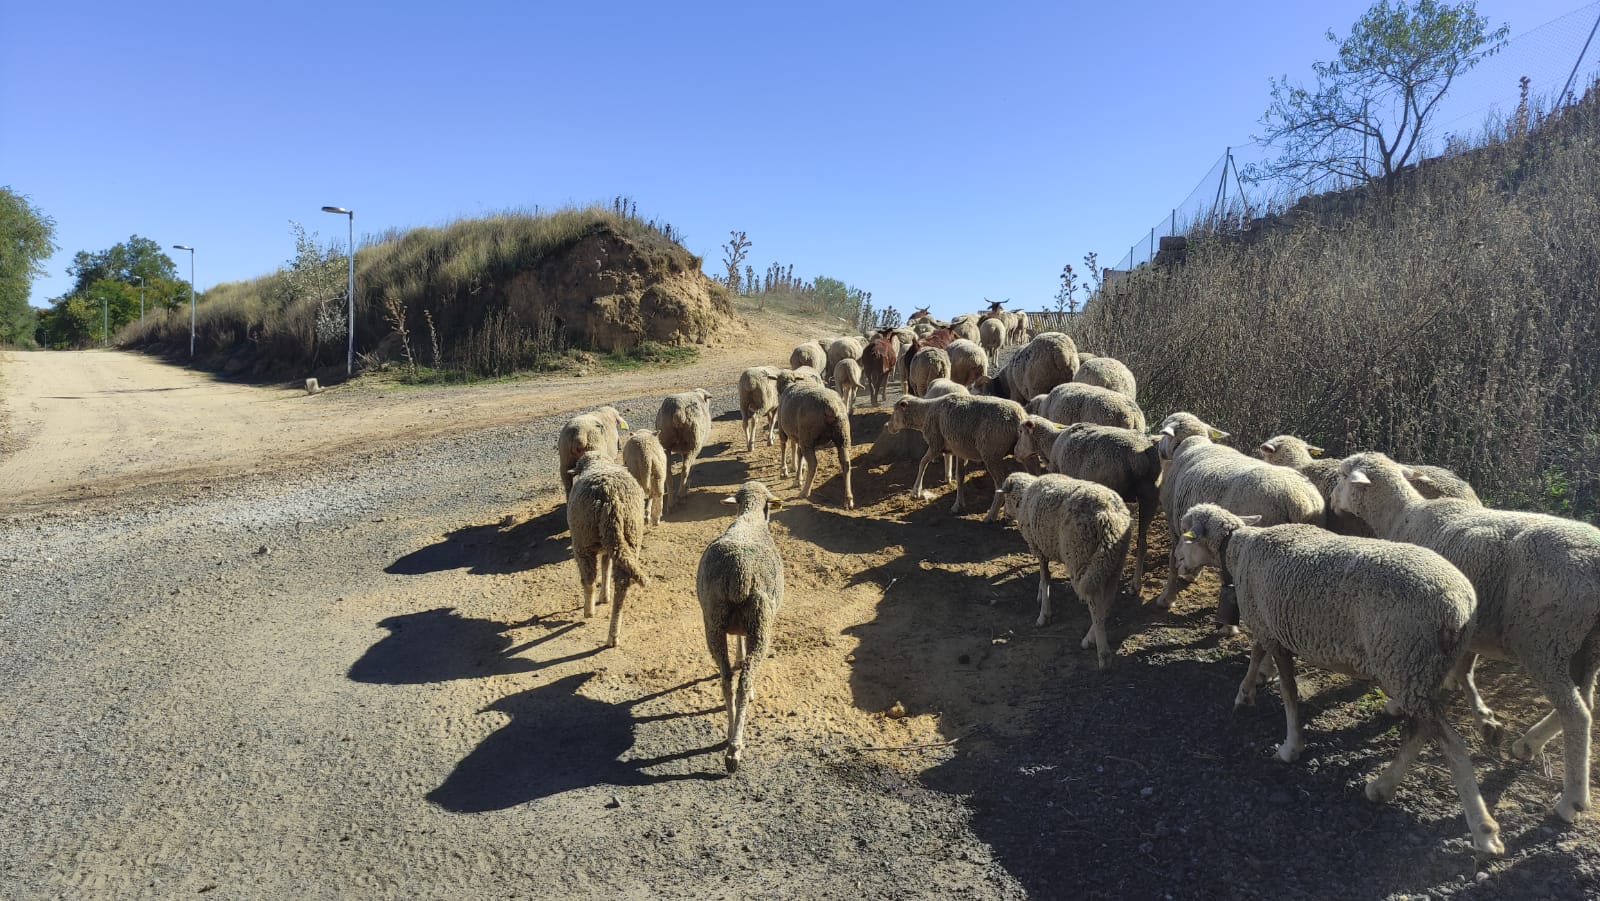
(1551, 56)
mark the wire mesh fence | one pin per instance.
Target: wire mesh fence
(1560, 59)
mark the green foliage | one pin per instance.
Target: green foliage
(105, 283)
(135, 257)
(27, 239)
(1370, 109)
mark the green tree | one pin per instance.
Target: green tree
(27, 239)
(1369, 112)
(134, 257)
(318, 274)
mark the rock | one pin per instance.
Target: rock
(615, 802)
(896, 711)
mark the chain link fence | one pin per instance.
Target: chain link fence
(1561, 58)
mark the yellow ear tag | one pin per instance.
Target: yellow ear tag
(1189, 535)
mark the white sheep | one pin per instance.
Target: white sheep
(740, 586)
(758, 396)
(927, 364)
(1394, 613)
(1120, 459)
(847, 376)
(1076, 402)
(1197, 471)
(846, 348)
(992, 335)
(1538, 584)
(596, 430)
(1050, 359)
(1083, 526)
(970, 427)
(810, 414)
(966, 326)
(968, 361)
(683, 425)
(1302, 456)
(646, 459)
(1107, 372)
(809, 353)
(605, 516)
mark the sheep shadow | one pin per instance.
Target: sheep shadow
(1151, 764)
(441, 645)
(556, 741)
(493, 548)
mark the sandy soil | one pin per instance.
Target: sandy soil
(364, 673)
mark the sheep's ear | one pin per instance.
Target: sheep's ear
(1218, 434)
(573, 471)
(1314, 451)
(1415, 477)
(775, 503)
(623, 423)
(1029, 424)
(1357, 477)
(1251, 520)
(730, 501)
(1169, 431)
(1267, 447)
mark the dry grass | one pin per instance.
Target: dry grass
(1456, 322)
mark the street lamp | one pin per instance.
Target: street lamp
(350, 355)
(191, 294)
(141, 296)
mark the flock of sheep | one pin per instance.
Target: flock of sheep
(1395, 573)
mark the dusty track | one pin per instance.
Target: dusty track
(360, 670)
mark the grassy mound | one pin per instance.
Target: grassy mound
(481, 296)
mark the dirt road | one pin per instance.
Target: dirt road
(357, 668)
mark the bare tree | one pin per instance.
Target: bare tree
(1366, 118)
(733, 254)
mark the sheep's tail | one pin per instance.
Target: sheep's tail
(625, 558)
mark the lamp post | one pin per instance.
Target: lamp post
(350, 355)
(191, 294)
(141, 296)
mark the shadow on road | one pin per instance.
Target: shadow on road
(442, 645)
(557, 740)
(493, 548)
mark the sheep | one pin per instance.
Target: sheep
(847, 376)
(810, 414)
(967, 327)
(647, 461)
(1197, 471)
(809, 353)
(968, 426)
(758, 396)
(940, 388)
(1538, 583)
(877, 362)
(1080, 524)
(1398, 614)
(592, 431)
(929, 363)
(1074, 402)
(1123, 460)
(740, 586)
(788, 377)
(847, 348)
(968, 361)
(1297, 454)
(605, 515)
(683, 424)
(992, 334)
(1107, 373)
(1034, 368)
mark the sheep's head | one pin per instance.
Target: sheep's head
(1028, 431)
(900, 417)
(1205, 527)
(753, 495)
(1364, 477)
(1287, 450)
(1009, 495)
(1178, 427)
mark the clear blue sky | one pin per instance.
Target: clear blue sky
(931, 153)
